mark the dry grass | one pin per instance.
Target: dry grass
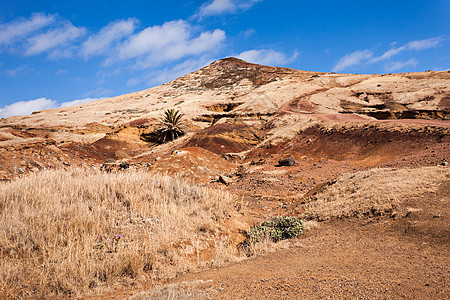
(194, 290)
(374, 192)
(74, 233)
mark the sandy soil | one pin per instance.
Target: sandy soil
(375, 258)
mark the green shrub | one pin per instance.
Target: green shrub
(279, 228)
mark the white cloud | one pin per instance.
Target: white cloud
(133, 81)
(398, 65)
(98, 92)
(17, 71)
(413, 45)
(80, 101)
(154, 37)
(352, 59)
(267, 57)
(22, 27)
(425, 44)
(101, 42)
(364, 56)
(170, 41)
(219, 7)
(40, 33)
(60, 53)
(388, 54)
(151, 46)
(27, 107)
(60, 36)
(248, 33)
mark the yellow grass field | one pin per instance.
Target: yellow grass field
(79, 232)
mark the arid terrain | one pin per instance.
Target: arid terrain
(370, 180)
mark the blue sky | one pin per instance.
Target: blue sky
(60, 53)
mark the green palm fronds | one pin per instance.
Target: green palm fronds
(172, 124)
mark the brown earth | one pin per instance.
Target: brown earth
(358, 259)
(378, 257)
(241, 119)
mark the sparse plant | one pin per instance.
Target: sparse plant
(172, 124)
(279, 228)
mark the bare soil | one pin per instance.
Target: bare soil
(241, 119)
(373, 258)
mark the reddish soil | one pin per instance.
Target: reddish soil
(378, 258)
(322, 154)
(225, 138)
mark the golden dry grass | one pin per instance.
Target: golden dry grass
(79, 232)
(373, 192)
(193, 290)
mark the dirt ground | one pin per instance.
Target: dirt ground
(374, 258)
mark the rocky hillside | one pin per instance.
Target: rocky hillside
(363, 158)
(251, 106)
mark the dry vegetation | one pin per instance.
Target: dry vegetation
(181, 291)
(374, 192)
(73, 233)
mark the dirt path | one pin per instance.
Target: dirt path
(372, 258)
(339, 261)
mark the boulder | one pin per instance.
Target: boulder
(124, 165)
(290, 161)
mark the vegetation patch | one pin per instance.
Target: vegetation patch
(277, 229)
(171, 127)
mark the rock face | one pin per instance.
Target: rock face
(232, 87)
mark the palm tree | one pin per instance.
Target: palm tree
(172, 124)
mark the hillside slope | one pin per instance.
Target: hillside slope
(253, 105)
(368, 161)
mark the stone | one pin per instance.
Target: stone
(290, 161)
(261, 161)
(224, 179)
(124, 165)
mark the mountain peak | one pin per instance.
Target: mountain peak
(231, 70)
(233, 61)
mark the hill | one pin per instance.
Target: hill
(270, 103)
(366, 154)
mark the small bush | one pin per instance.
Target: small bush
(279, 228)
